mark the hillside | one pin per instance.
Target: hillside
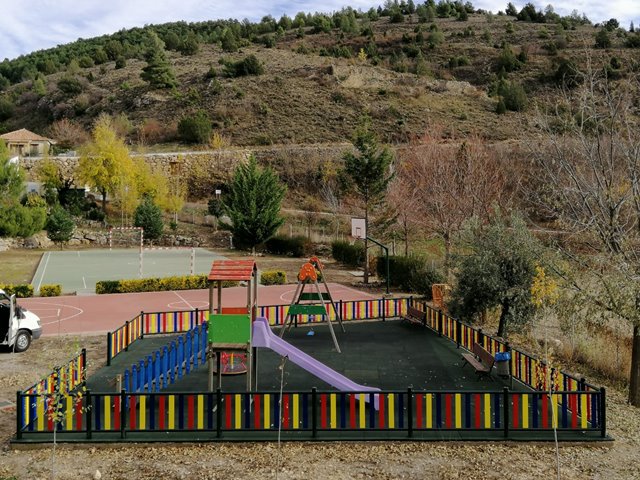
(406, 78)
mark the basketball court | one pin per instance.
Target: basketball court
(102, 313)
(78, 271)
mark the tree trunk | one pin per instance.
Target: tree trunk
(104, 201)
(634, 378)
(447, 257)
(366, 246)
(502, 327)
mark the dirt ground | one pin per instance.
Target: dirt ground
(619, 459)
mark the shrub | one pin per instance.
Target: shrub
(69, 85)
(412, 274)
(515, 98)
(23, 290)
(196, 128)
(21, 221)
(187, 282)
(602, 39)
(293, 246)
(107, 286)
(349, 254)
(273, 277)
(54, 290)
(6, 109)
(250, 65)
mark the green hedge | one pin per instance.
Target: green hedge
(293, 246)
(273, 277)
(53, 290)
(23, 290)
(410, 274)
(344, 252)
(186, 282)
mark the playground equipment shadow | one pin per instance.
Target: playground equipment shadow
(390, 355)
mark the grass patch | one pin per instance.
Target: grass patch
(19, 266)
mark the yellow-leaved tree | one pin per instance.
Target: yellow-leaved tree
(106, 166)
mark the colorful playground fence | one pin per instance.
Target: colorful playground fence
(318, 414)
(523, 367)
(174, 361)
(147, 323)
(63, 380)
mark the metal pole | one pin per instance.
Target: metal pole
(386, 253)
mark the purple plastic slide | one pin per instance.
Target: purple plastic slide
(264, 337)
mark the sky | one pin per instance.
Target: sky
(29, 25)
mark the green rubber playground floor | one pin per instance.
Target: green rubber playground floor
(391, 355)
(79, 270)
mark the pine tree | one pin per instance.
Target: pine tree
(253, 204)
(158, 71)
(370, 171)
(60, 225)
(149, 216)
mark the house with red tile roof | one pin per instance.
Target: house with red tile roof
(26, 143)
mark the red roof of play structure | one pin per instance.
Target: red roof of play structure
(237, 270)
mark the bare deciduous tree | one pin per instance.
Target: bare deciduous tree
(446, 183)
(590, 158)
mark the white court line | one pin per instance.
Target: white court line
(36, 310)
(182, 298)
(44, 269)
(84, 282)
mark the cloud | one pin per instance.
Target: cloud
(31, 25)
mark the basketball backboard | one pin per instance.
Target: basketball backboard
(358, 228)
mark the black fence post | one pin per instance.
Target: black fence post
(440, 322)
(410, 411)
(218, 412)
(582, 384)
(123, 413)
(603, 412)
(88, 413)
(83, 373)
(19, 413)
(510, 365)
(480, 338)
(505, 416)
(314, 412)
(340, 308)
(141, 324)
(197, 317)
(109, 340)
(458, 332)
(384, 309)
(126, 336)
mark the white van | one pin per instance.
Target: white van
(18, 326)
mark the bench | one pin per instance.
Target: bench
(414, 315)
(479, 359)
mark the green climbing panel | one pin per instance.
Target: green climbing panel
(315, 296)
(229, 328)
(307, 310)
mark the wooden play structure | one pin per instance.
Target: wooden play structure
(312, 303)
(229, 332)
